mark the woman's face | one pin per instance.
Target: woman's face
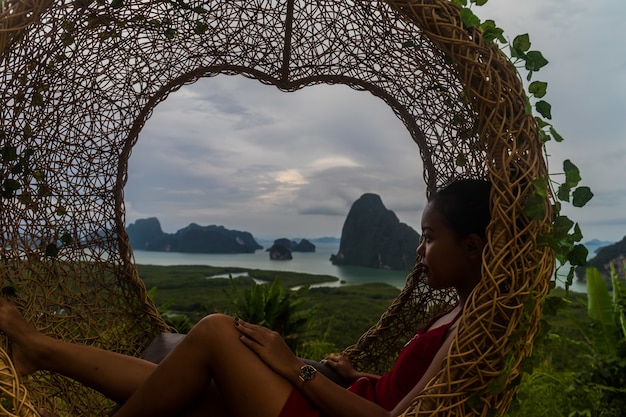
(446, 256)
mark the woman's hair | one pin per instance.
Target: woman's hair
(465, 205)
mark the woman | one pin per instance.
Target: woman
(225, 366)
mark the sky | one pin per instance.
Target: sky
(231, 151)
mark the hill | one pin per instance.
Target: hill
(146, 234)
(373, 237)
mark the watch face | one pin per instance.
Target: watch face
(307, 372)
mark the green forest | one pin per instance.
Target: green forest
(578, 367)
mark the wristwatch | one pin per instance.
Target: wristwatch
(307, 373)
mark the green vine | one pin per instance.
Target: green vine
(565, 236)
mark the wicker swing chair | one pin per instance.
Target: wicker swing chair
(80, 78)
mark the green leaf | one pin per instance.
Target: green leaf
(619, 296)
(538, 88)
(534, 207)
(52, 250)
(563, 192)
(66, 239)
(491, 31)
(541, 186)
(535, 61)
(528, 108)
(117, 4)
(9, 291)
(470, 20)
(544, 108)
(581, 196)
(552, 305)
(599, 305)
(577, 236)
(578, 255)
(479, 2)
(600, 309)
(556, 135)
(9, 187)
(561, 226)
(461, 160)
(541, 123)
(572, 173)
(170, 33)
(9, 153)
(522, 42)
(200, 28)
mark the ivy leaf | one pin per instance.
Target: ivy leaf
(528, 108)
(170, 33)
(461, 160)
(556, 135)
(572, 173)
(522, 42)
(117, 4)
(470, 20)
(577, 236)
(553, 304)
(541, 186)
(535, 61)
(479, 2)
(491, 31)
(581, 196)
(200, 28)
(66, 239)
(561, 227)
(9, 291)
(9, 153)
(538, 88)
(541, 123)
(9, 187)
(534, 207)
(52, 250)
(563, 192)
(544, 108)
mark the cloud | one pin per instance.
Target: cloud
(230, 150)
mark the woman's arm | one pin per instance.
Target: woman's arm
(342, 365)
(329, 397)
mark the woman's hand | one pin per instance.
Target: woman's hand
(342, 366)
(270, 347)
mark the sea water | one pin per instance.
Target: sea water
(317, 262)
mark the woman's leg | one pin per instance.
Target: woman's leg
(114, 375)
(211, 351)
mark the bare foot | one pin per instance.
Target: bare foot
(25, 339)
(45, 413)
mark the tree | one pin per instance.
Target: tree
(273, 306)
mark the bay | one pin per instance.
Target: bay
(317, 262)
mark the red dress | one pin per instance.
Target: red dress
(390, 388)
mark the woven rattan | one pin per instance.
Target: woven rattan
(81, 77)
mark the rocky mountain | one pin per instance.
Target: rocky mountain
(605, 256)
(372, 236)
(294, 246)
(282, 248)
(146, 234)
